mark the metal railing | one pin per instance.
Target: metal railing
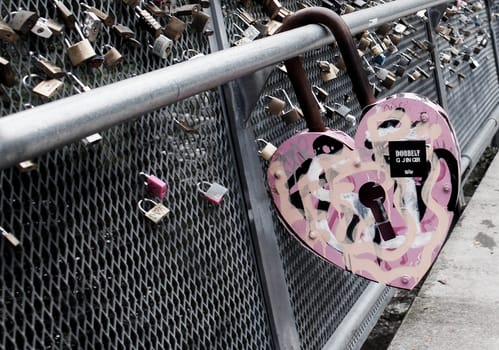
(36, 131)
(33, 132)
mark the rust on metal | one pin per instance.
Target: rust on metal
(298, 76)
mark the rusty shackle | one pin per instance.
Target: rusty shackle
(298, 76)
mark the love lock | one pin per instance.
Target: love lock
(380, 204)
(213, 192)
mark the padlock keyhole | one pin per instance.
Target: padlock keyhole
(373, 195)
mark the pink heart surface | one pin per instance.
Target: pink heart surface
(339, 197)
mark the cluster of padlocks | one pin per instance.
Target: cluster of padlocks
(80, 30)
(391, 53)
(463, 39)
(162, 23)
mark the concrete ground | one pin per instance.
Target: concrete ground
(458, 304)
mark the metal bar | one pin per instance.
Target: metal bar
(36, 131)
(280, 311)
(342, 336)
(437, 72)
(373, 17)
(480, 142)
(285, 333)
(278, 302)
(490, 4)
(296, 69)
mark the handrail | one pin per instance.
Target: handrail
(33, 132)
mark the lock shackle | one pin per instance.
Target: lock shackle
(28, 82)
(286, 97)
(144, 175)
(202, 184)
(139, 204)
(298, 76)
(259, 142)
(190, 54)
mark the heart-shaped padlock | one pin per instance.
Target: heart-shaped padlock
(380, 204)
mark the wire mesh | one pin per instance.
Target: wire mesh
(471, 76)
(92, 272)
(321, 295)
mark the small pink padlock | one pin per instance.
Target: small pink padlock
(213, 192)
(155, 185)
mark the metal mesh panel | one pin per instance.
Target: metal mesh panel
(472, 98)
(362, 332)
(321, 295)
(494, 11)
(92, 272)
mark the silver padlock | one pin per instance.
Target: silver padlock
(213, 192)
(92, 26)
(162, 46)
(44, 88)
(344, 112)
(26, 166)
(10, 237)
(320, 93)
(106, 18)
(241, 40)
(268, 149)
(400, 28)
(247, 35)
(156, 213)
(41, 28)
(328, 70)
(91, 139)
(294, 113)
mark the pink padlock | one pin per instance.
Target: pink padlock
(213, 192)
(155, 185)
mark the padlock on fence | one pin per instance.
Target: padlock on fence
(268, 149)
(155, 185)
(380, 204)
(156, 213)
(213, 192)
